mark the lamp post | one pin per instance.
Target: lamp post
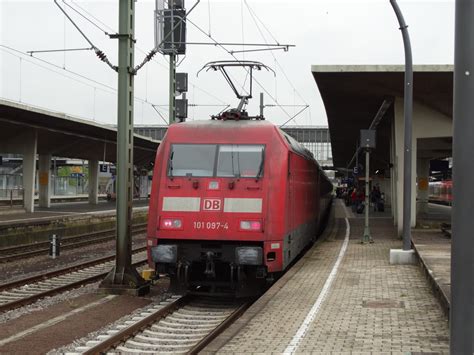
(408, 122)
(462, 245)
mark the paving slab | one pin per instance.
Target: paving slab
(434, 252)
(370, 306)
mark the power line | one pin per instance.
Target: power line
(100, 54)
(255, 18)
(106, 88)
(225, 49)
(138, 48)
(110, 89)
(87, 19)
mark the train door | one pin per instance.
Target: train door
(291, 207)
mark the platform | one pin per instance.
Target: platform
(64, 209)
(337, 302)
(63, 219)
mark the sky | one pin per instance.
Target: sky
(323, 32)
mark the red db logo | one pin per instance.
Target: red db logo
(211, 204)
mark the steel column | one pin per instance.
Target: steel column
(462, 245)
(408, 113)
(367, 237)
(172, 89)
(124, 278)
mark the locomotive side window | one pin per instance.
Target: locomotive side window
(192, 160)
(240, 161)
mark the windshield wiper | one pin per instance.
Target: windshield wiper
(171, 164)
(260, 168)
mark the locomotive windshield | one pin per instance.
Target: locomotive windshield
(201, 160)
(192, 160)
(240, 161)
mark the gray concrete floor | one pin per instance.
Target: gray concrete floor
(370, 307)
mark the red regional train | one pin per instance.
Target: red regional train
(441, 192)
(233, 203)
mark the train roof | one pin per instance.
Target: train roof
(224, 124)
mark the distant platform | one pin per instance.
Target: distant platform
(61, 210)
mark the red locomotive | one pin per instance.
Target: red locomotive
(233, 201)
(232, 204)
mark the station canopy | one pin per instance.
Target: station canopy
(66, 136)
(353, 94)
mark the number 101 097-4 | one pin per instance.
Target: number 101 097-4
(211, 225)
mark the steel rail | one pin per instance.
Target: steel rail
(27, 300)
(72, 242)
(135, 328)
(132, 330)
(220, 328)
(62, 271)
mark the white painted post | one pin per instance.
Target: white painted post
(29, 170)
(44, 180)
(93, 182)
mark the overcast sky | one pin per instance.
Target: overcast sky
(324, 32)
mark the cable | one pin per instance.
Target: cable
(225, 49)
(101, 55)
(155, 107)
(86, 18)
(138, 48)
(271, 35)
(109, 89)
(58, 67)
(95, 18)
(255, 18)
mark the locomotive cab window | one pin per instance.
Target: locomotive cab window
(192, 160)
(240, 161)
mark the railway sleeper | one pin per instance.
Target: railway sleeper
(165, 340)
(171, 335)
(156, 347)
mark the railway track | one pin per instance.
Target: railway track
(22, 292)
(179, 325)
(42, 248)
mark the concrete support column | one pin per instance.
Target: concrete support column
(29, 170)
(422, 191)
(93, 182)
(44, 180)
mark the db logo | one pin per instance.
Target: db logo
(211, 204)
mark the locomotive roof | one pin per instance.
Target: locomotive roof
(226, 124)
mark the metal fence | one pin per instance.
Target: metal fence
(60, 185)
(11, 197)
(63, 186)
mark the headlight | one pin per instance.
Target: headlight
(253, 226)
(171, 223)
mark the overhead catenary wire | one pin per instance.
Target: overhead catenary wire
(285, 46)
(62, 71)
(293, 117)
(87, 19)
(226, 50)
(100, 54)
(255, 18)
(104, 87)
